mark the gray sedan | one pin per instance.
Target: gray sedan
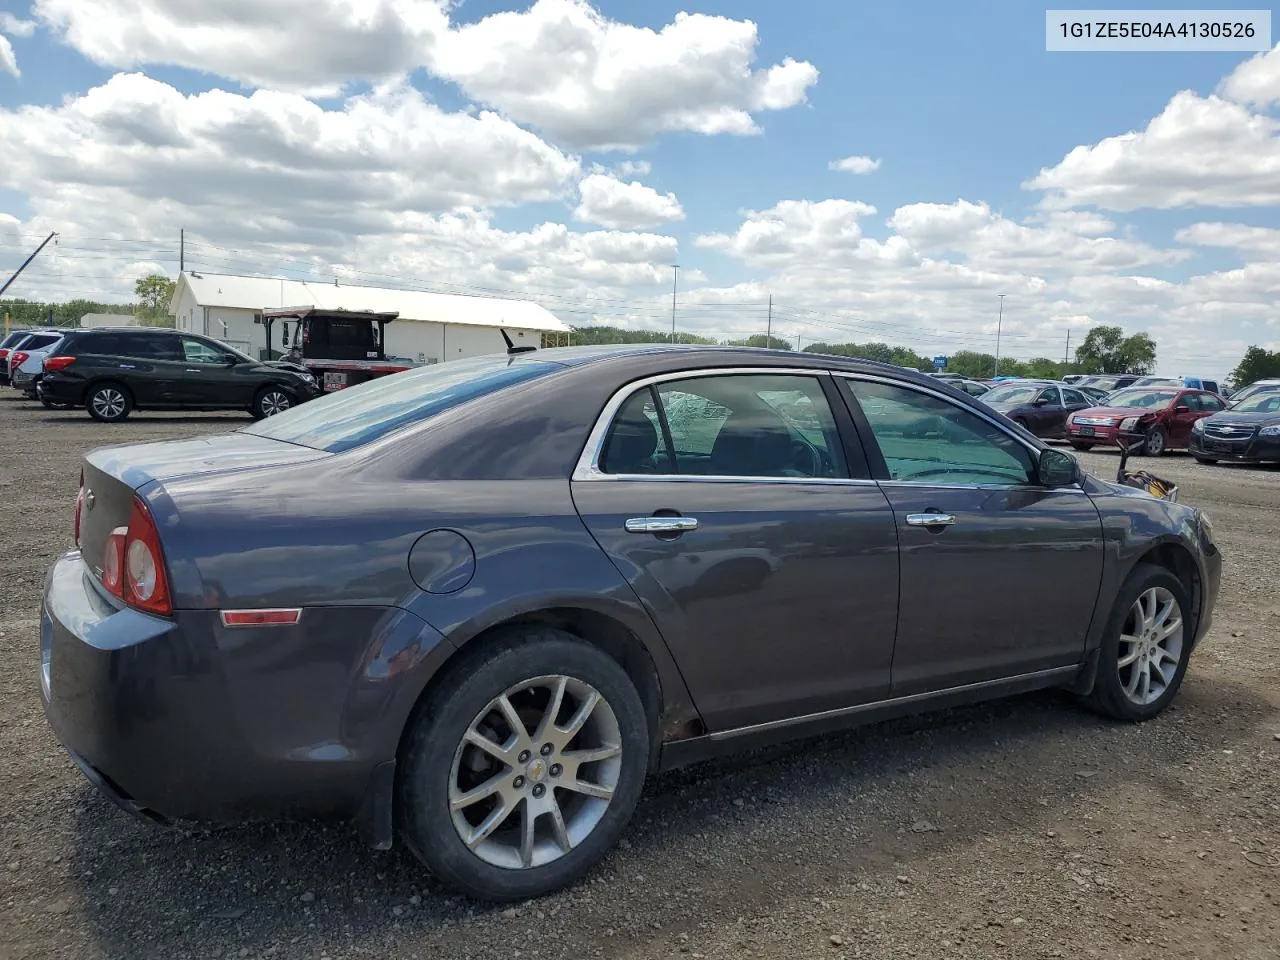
(474, 605)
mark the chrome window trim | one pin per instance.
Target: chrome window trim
(982, 415)
(588, 465)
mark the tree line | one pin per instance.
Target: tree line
(151, 307)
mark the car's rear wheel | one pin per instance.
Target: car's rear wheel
(1082, 447)
(1145, 648)
(108, 402)
(1157, 443)
(523, 766)
(269, 402)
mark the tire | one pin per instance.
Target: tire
(270, 401)
(50, 405)
(1109, 695)
(1082, 447)
(1207, 461)
(1157, 443)
(436, 762)
(108, 402)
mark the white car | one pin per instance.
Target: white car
(26, 360)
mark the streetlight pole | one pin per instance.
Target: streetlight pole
(999, 326)
(675, 271)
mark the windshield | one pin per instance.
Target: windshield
(1252, 390)
(1263, 401)
(364, 413)
(1145, 399)
(1020, 393)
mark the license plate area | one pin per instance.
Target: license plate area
(1086, 431)
(334, 381)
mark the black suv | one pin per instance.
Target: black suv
(111, 371)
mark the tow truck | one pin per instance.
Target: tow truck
(340, 348)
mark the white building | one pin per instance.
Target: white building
(432, 327)
(90, 320)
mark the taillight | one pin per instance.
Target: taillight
(4, 353)
(133, 563)
(58, 363)
(18, 359)
(79, 506)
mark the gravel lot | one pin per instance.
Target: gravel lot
(1027, 828)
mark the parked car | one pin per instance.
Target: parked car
(1165, 415)
(467, 606)
(1095, 394)
(111, 371)
(972, 387)
(1246, 432)
(25, 376)
(7, 344)
(1073, 378)
(1258, 386)
(1110, 382)
(1042, 406)
(23, 347)
(1191, 383)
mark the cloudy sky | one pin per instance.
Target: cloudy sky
(883, 174)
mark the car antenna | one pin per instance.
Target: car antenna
(512, 349)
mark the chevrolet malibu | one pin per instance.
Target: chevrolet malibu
(472, 606)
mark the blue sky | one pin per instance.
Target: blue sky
(957, 102)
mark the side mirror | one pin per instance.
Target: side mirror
(1039, 402)
(1181, 408)
(1057, 469)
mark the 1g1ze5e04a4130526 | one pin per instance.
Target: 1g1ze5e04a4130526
(474, 605)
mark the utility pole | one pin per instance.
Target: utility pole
(797, 343)
(8, 283)
(768, 330)
(1066, 351)
(182, 250)
(999, 327)
(675, 272)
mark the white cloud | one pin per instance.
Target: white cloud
(1237, 236)
(633, 168)
(610, 202)
(1256, 81)
(15, 27)
(1200, 151)
(272, 159)
(8, 59)
(560, 65)
(855, 165)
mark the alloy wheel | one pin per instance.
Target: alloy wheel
(1155, 443)
(535, 772)
(108, 403)
(273, 402)
(1151, 645)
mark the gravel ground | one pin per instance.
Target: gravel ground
(1026, 828)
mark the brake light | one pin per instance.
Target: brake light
(133, 563)
(79, 506)
(18, 358)
(58, 363)
(4, 353)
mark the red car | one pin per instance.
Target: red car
(1165, 413)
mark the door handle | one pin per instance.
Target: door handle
(930, 519)
(190, 370)
(661, 524)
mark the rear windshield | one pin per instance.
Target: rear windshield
(369, 411)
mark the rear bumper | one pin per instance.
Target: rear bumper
(25, 382)
(57, 389)
(182, 719)
(1246, 450)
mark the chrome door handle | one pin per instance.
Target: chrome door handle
(930, 519)
(661, 524)
(190, 370)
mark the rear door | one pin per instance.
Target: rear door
(999, 574)
(149, 362)
(765, 555)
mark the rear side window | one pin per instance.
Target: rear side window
(367, 412)
(151, 346)
(38, 341)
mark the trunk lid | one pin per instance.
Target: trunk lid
(112, 475)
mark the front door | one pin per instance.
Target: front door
(210, 378)
(999, 574)
(769, 566)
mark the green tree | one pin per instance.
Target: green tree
(154, 292)
(967, 363)
(1043, 368)
(761, 340)
(604, 334)
(1256, 364)
(1108, 350)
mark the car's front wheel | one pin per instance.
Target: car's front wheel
(108, 402)
(1157, 443)
(269, 402)
(1145, 648)
(523, 766)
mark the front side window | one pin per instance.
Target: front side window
(198, 351)
(1050, 396)
(738, 425)
(925, 439)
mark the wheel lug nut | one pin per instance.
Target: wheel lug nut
(524, 756)
(556, 769)
(519, 782)
(546, 749)
(539, 790)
